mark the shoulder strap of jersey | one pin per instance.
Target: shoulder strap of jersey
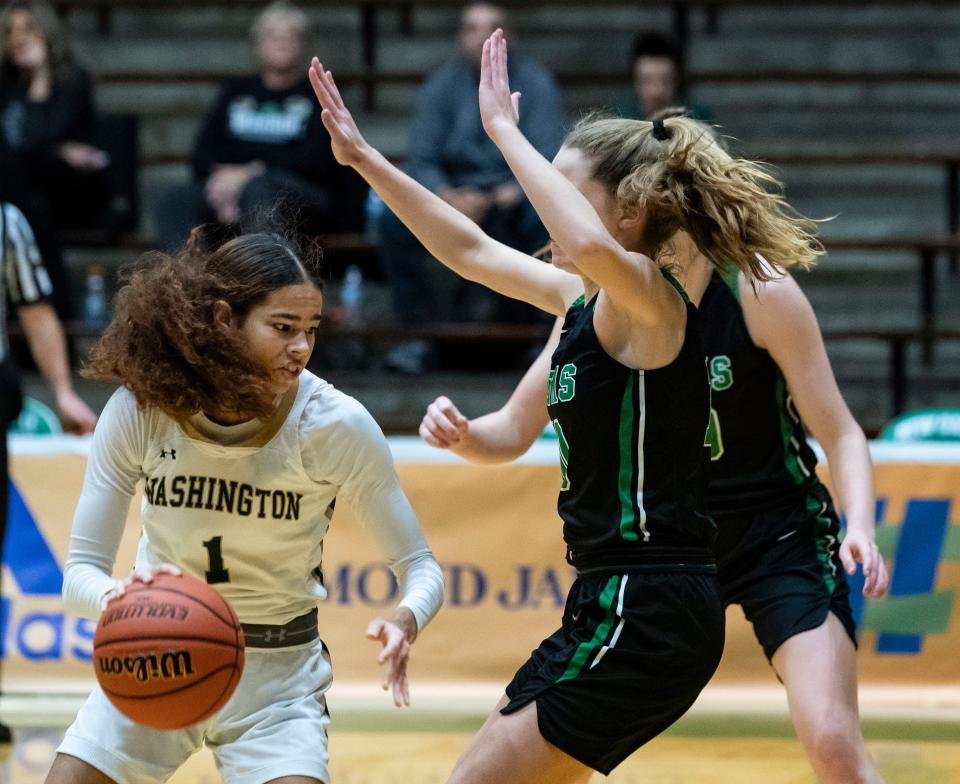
(675, 283)
(730, 275)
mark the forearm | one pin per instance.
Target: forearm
(94, 540)
(567, 215)
(47, 345)
(506, 434)
(84, 586)
(852, 473)
(451, 237)
(421, 587)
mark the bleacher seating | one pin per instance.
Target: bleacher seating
(867, 139)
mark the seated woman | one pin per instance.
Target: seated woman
(49, 166)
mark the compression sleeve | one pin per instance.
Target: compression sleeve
(113, 470)
(352, 453)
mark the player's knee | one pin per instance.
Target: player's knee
(837, 757)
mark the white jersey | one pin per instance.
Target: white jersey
(246, 507)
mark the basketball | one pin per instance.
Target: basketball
(170, 653)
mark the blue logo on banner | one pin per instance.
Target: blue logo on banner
(913, 608)
(36, 573)
(26, 552)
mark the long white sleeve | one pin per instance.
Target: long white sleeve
(352, 452)
(113, 469)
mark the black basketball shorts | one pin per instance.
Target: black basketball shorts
(633, 653)
(782, 566)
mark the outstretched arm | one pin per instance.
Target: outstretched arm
(49, 350)
(631, 281)
(502, 435)
(781, 320)
(451, 237)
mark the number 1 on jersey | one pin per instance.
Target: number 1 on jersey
(216, 573)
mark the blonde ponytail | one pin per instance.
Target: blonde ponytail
(681, 176)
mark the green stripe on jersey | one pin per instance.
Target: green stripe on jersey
(584, 649)
(579, 301)
(788, 432)
(625, 483)
(826, 543)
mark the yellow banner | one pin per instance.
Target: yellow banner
(497, 535)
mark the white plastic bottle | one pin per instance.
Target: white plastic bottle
(95, 298)
(351, 296)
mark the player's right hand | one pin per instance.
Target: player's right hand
(142, 574)
(349, 146)
(443, 426)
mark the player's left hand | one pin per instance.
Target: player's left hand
(499, 108)
(395, 632)
(859, 547)
(75, 415)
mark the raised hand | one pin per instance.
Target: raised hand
(348, 144)
(499, 108)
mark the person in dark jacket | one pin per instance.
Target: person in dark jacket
(450, 154)
(50, 166)
(262, 144)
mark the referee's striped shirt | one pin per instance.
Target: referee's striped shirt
(23, 278)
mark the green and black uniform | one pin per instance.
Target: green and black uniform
(642, 631)
(777, 529)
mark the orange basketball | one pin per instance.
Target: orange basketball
(168, 654)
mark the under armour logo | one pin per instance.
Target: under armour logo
(172, 453)
(278, 635)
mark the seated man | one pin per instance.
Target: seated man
(451, 155)
(263, 144)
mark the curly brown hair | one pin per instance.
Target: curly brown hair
(164, 343)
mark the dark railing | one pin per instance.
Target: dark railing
(378, 335)
(343, 249)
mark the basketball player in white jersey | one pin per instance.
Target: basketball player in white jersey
(242, 453)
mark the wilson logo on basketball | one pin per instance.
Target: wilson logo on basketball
(166, 666)
(177, 612)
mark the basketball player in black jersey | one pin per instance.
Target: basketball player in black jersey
(778, 549)
(642, 630)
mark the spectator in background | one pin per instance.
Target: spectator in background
(658, 71)
(24, 282)
(262, 144)
(450, 154)
(49, 164)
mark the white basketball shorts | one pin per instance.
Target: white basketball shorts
(274, 725)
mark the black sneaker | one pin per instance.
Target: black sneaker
(5, 735)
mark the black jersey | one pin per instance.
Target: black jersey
(758, 447)
(632, 449)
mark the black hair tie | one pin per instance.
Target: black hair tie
(660, 131)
